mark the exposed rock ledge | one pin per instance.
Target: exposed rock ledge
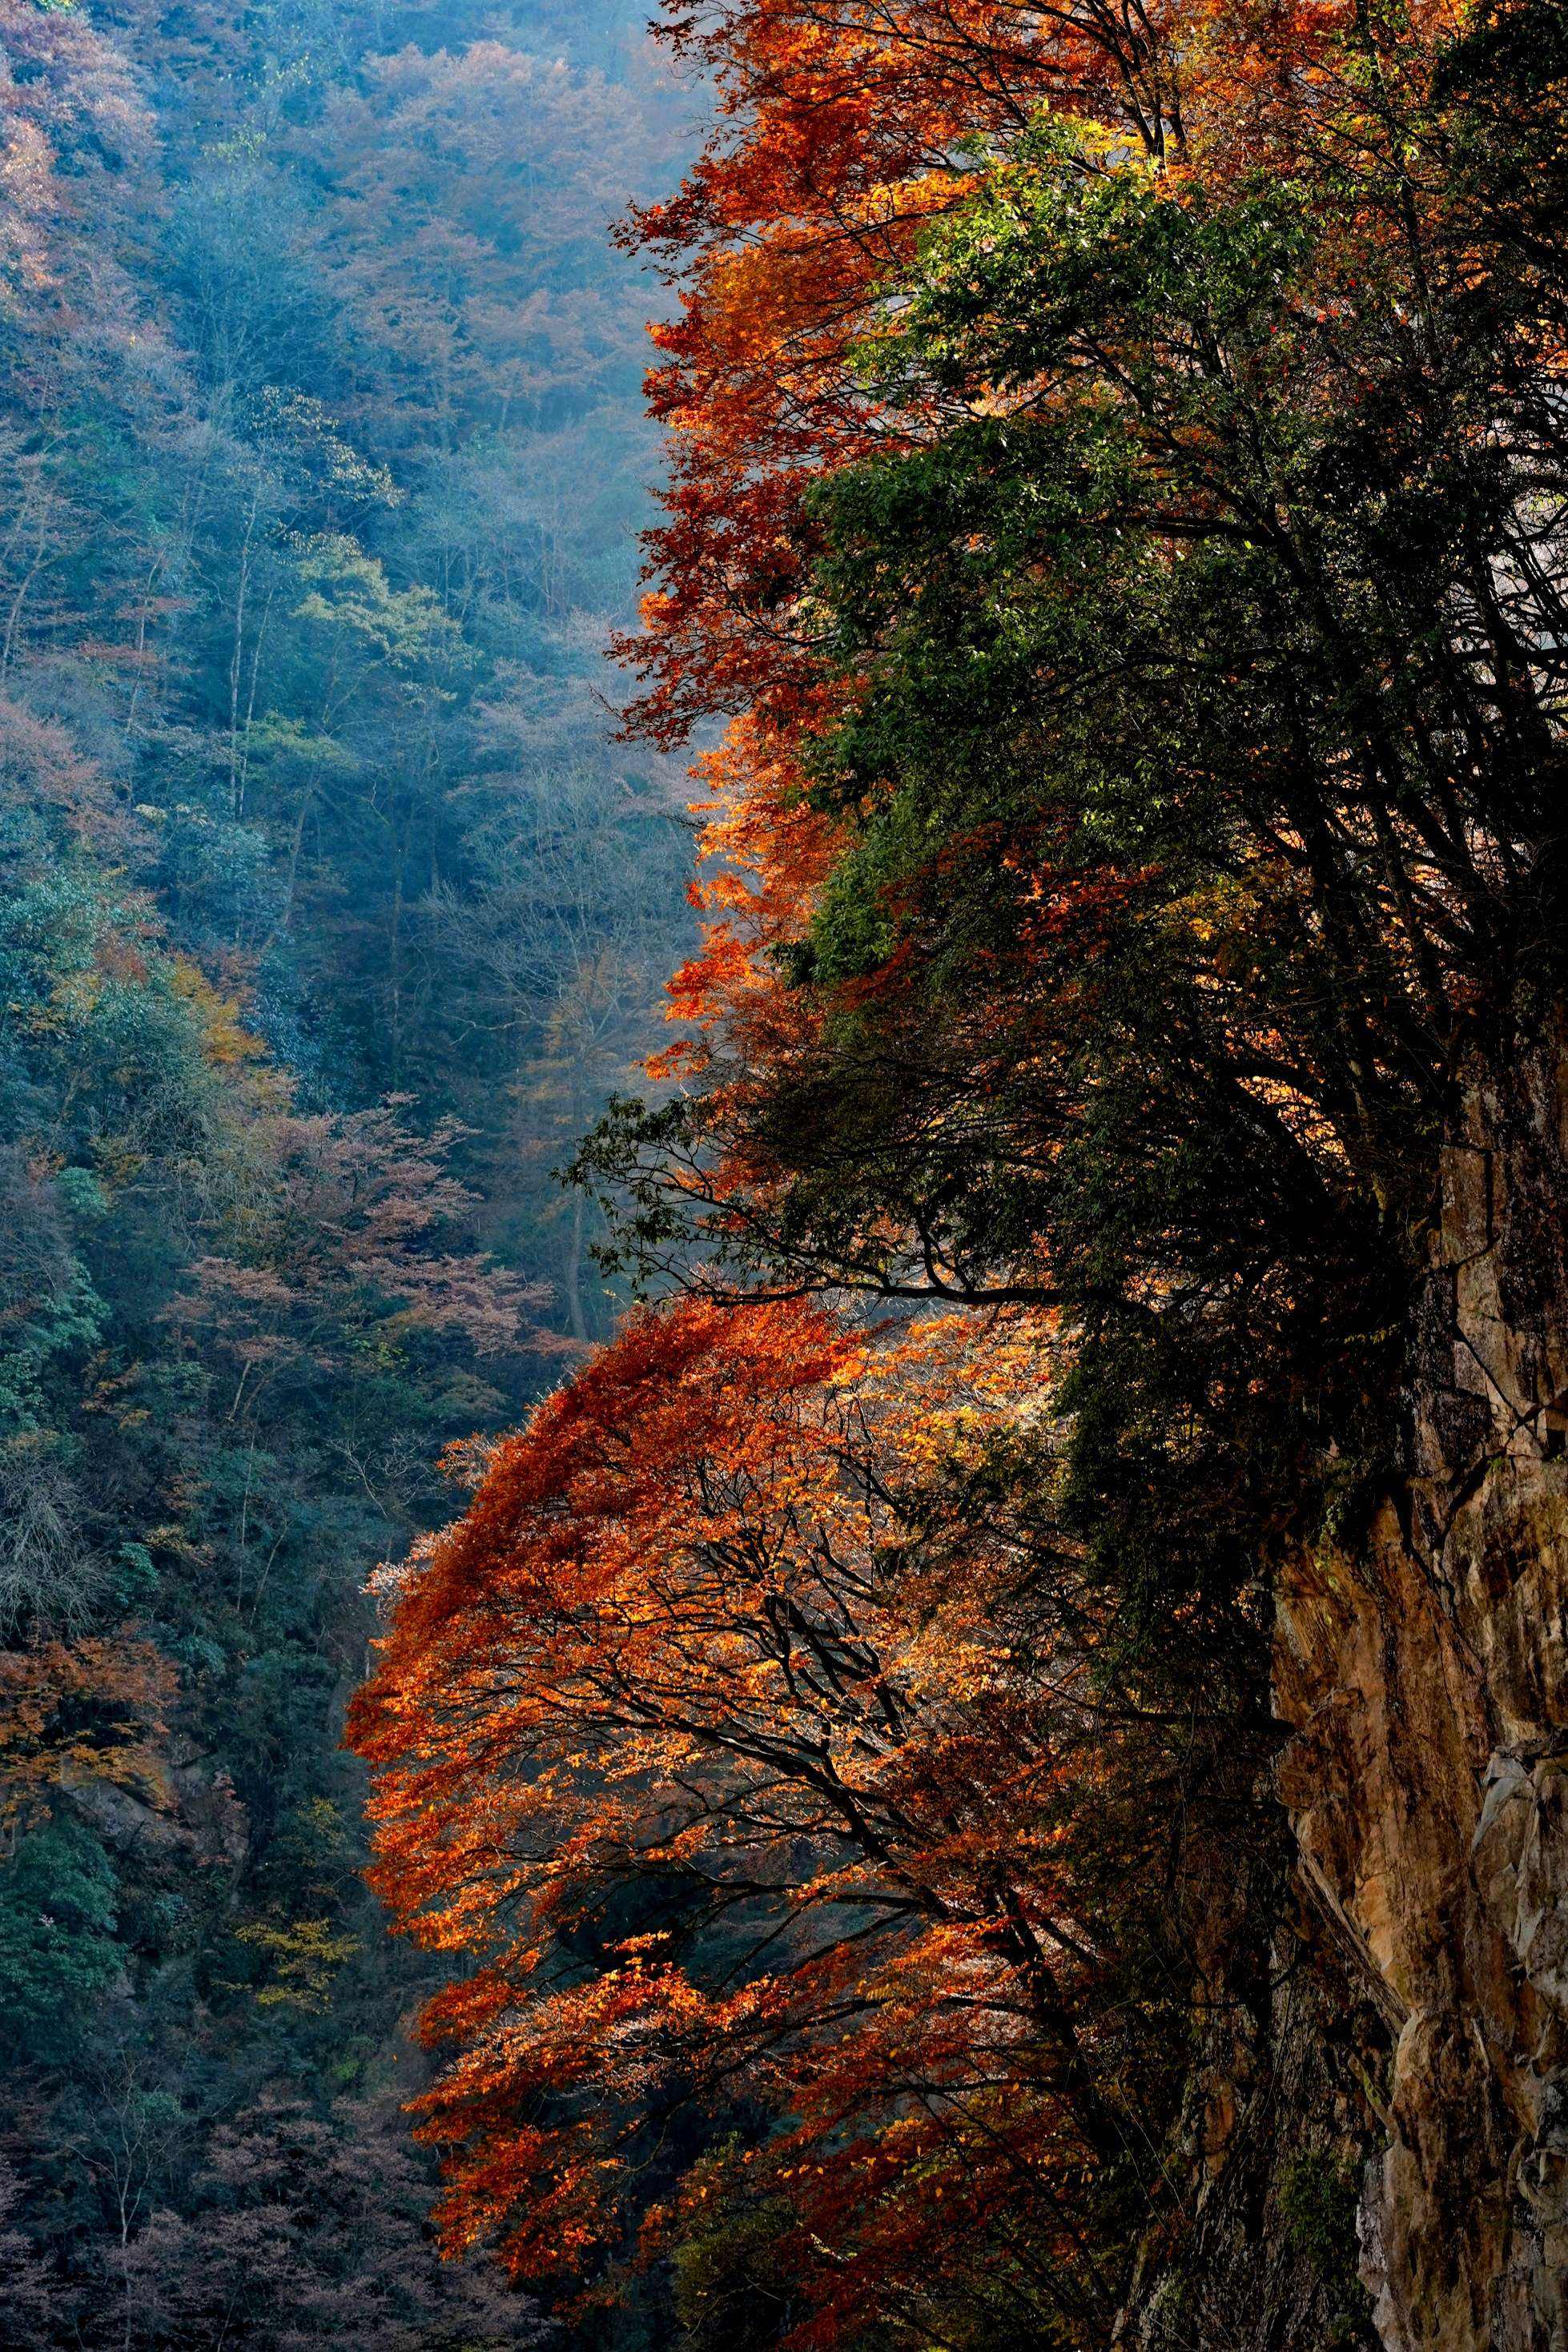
(1426, 1682)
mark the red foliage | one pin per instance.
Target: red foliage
(841, 131)
(688, 1637)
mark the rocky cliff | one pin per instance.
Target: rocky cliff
(1423, 1677)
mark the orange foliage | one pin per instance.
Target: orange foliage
(770, 854)
(73, 1714)
(692, 1637)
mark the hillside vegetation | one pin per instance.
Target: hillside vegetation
(328, 919)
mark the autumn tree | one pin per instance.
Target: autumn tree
(1118, 506)
(839, 133)
(730, 1733)
(1193, 494)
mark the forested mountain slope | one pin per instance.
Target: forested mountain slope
(327, 918)
(988, 1772)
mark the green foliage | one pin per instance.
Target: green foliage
(1193, 778)
(1317, 2195)
(59, 1954)
(732, 2287)
(132, 1580)
(327, 916)
(348, 596)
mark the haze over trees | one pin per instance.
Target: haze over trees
(328, 917)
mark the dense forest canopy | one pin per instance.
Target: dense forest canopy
(328, 917)
(1116, 514)
(1104, 617)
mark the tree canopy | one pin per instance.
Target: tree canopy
(1116, 514)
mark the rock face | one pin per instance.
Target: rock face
(1424, 1680)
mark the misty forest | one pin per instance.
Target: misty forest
(783, 1136)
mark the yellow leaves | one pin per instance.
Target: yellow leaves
(307, 1955)
(225, 1043)
(117, 1162)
